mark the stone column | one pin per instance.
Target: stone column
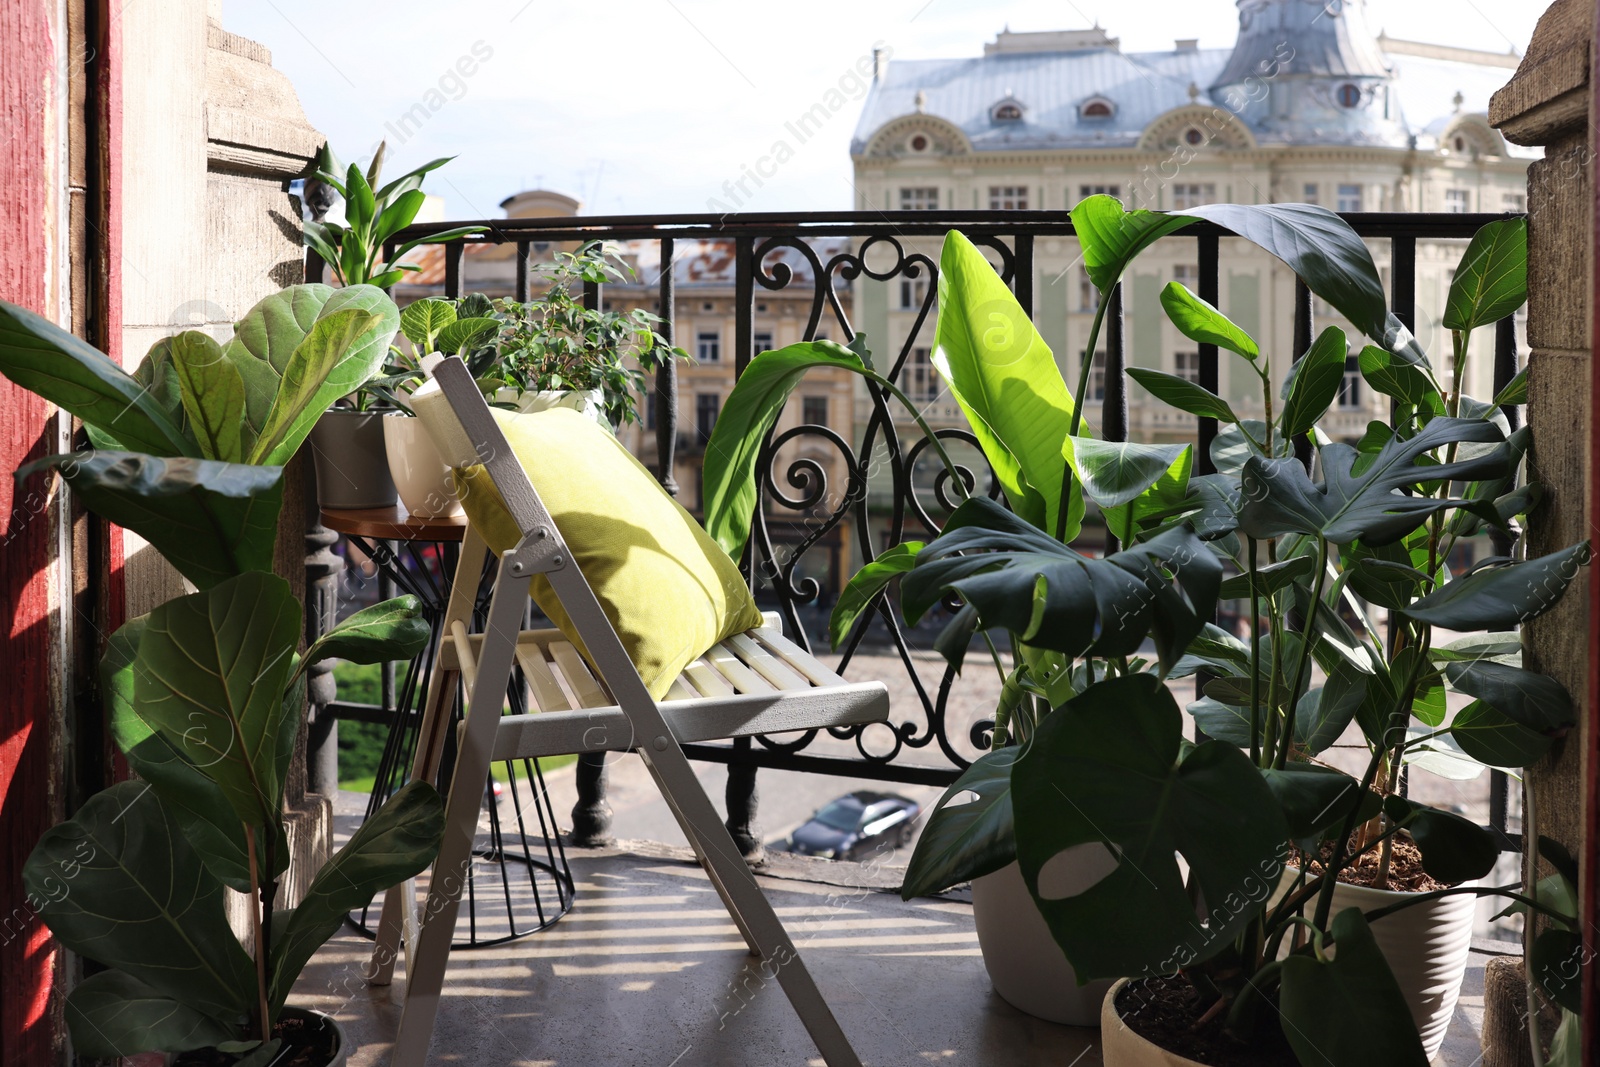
(1547, 104)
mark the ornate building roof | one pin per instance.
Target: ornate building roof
(1300, 72)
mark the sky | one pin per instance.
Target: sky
(650, 106)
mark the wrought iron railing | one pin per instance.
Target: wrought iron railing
(922, 745)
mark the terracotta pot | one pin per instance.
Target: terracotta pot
(420, 476)
(1027, 967)
(1426, 947)
(352, 461)
(1121, 1047)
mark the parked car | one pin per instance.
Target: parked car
(856, 825)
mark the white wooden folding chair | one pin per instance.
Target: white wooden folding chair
(756, 682)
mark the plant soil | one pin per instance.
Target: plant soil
(307, 1042)
(1405, 868)
(1164, 1011)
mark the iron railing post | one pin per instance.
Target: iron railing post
(666, 398)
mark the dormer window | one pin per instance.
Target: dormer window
(1008, 113)
(1349, 95)
(1097, 108)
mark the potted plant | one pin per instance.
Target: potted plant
(348, 442)
(206, 693)
(1090, 778)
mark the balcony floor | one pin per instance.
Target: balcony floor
(645, 967)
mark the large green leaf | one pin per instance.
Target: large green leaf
(1200, 322)
(1114, 472)
(320, 372)
(1492, 279)
(1494, 738)
(1007, 382)
(421, 321)
(1322, 714)
(212, 392)
(1314, 799)
(1328, 256)
(391, 630)
(1020, 579)
(865, 585)
(397, 842)
(1163, 504)
(1498, 598)
(112, 1015)
(1453, 849)
(1280, 498)
(157, 375)
(1111, 238)
(1183, 394)
(465, 334)
(1535, 700)
(196, 802)
(1111, 768)
(269, 335)
(728, 478)
(967, 840)
(1394, 377)
(1558, 958)
(1315, 382)
(47, 360)
(210, 676)
(118, 883)
(210, 520)
(1322, 998)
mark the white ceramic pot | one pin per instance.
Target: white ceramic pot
(420, 476)
(589, 403)
(1426, 946)
(1027, 967)
(1121, 1047)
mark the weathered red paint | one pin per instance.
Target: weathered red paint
(28, 730)
(1589, 852)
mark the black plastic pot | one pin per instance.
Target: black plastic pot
(352, 466)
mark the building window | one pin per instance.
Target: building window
(763, 342)
(1192, 194)
(1457, 201)
(1008, 198)
(913, 291)
(1088, 295)
(708, 347)
(1349, 95)
(708, 306)
(1187, 274)
(1008, 112)
(1514, 202)
(921, 384)
(1349, 198)
(814, 410)
(706, 406)
(1098, 108)
(919, 143)
(1086, 191)
(919, 198)
(1097, 377)
(1194, 137)
(1187, 365)
(1309, 194)
(1350, 387)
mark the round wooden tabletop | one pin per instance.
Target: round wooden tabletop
(393, 523)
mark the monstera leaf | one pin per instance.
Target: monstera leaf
(210, 677)
(1020, 579)
(50, 362)
(118, 883)
(393, 845)
(1321, 994)
(968, 840)
(1280, 498)
(1110, 770)
(391, 630)
(1007, 382)
(210, 520)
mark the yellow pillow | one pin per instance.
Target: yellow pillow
(669, 590)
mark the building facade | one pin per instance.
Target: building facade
(1308, 106)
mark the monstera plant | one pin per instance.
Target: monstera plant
(206, 693)
(1222, 858)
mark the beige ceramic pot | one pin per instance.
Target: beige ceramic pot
(1121, 1047)
(420, 476)
(1026, 966)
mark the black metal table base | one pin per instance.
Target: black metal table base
(519, 882)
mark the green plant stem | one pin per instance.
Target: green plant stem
(264, 1019)
(1077, 411)
(933, 438)
(1255, 657)
(1306, 637)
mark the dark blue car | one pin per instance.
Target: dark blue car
(857, 825)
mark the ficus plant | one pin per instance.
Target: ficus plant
(205, 694)
(1225, 851)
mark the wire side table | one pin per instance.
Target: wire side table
(418, 556)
